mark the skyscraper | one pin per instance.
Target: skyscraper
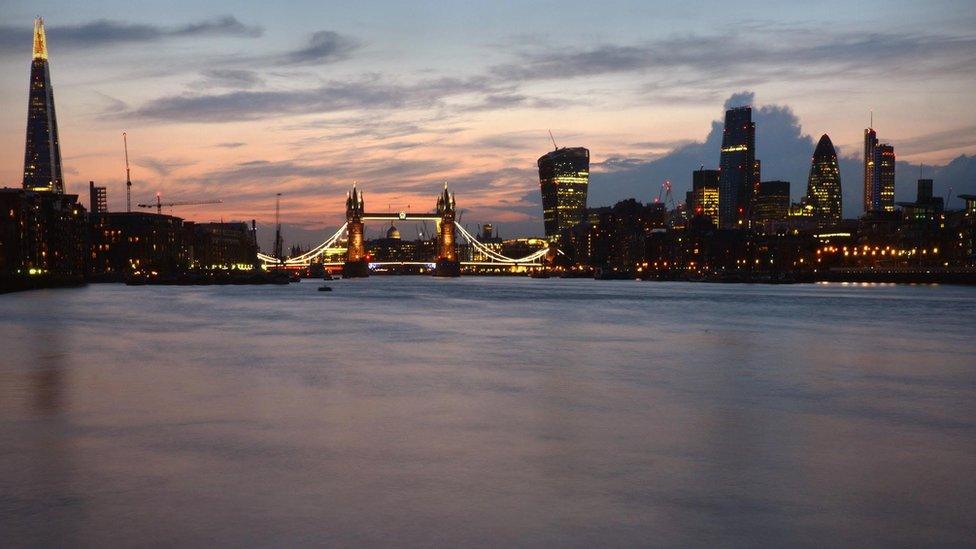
(704, 188)
(42, 155)
(884, 172)
(737, 180)
(879, 174)
(772, 202)
(823, 186)
(564, 176)
(871, 193)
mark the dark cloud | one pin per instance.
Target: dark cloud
(226, 25)
(496, 101)
(785, 152)
(804, 54)
(230, 78)
(367, 93)
(324, 46)
(231, 144)
(104, 32)
(939, 141)
(162, 167)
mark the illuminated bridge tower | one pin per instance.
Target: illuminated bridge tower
(42, 151)
(447, 256)
(356, 265)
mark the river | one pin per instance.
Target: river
(406, 411)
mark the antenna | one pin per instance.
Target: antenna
(551, 138)
(872, 119)
(278, 243)
(128, 178)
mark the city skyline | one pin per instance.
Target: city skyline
(410, 131)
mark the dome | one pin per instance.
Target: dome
(392, 232)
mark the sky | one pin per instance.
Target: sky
(239, 101)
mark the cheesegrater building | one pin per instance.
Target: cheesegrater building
(564, 176)
(42, 154)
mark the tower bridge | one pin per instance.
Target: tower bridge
(445, 263)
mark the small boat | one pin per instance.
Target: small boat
(325, 288)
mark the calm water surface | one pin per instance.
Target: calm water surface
(413, 411)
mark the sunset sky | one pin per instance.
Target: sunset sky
(242, 100)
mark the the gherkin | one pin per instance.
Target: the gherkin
(42, 154)
(823, 186)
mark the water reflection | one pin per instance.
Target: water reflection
(412, 411)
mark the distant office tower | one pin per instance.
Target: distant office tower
(705, 194)
(564, 176)
(772, 202)
(879, 174)
(871, 193)
(737, 180)
(42, 155)
(924, 191)
(823, 186)
(97, 199)
(884, 172)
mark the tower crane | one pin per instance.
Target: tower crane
(128, 179)
(667, 196)
(159, 205)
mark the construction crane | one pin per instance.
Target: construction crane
(666, 193)
(555, 147)
(128, 179)
(159, 205)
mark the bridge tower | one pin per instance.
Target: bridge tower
(448, 264)
(356, 265)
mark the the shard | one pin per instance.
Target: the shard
(42, 155)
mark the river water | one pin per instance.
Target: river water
(413, 411)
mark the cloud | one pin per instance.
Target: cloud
(162, 167)
(785, 151)
(104, 32)
(324, 46)
(807, 54)
(367, 93)
(231, 144)
(230, 78)
(936, 142)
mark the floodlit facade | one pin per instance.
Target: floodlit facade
(823, 185)
(705, 195)
(42, 150)
(564, 176)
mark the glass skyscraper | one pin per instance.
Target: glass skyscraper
(738, 178)
(879, 174)
(42, 154)
(823, 186)
(564, 176)
(772, 202)
(884, 172)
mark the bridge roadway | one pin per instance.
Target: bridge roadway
(401, 216)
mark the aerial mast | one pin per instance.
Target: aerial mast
(278, 243)
(128, 178)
